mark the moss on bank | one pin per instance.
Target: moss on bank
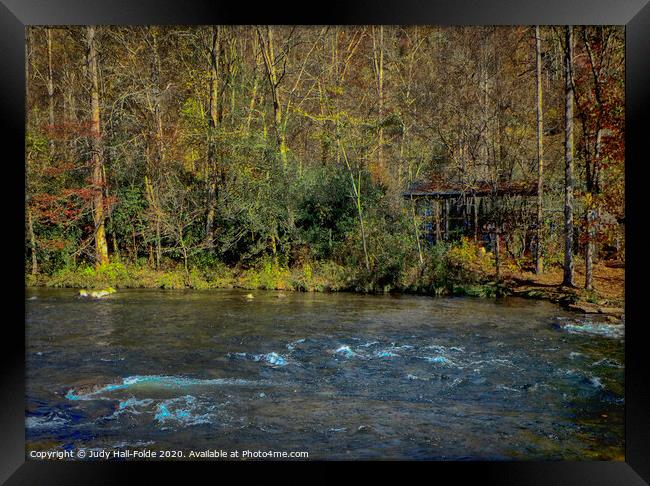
(322, 277)
(265, 275)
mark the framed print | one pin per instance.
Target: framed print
(387, 233)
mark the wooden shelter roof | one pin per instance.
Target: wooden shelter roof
(440, 189)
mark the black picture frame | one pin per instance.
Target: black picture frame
(16, 14)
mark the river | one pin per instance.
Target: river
(341, 376)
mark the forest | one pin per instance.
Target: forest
(281, 157)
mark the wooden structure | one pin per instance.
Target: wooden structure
(452, 210)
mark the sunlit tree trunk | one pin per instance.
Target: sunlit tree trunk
(160, 146)
(30, 219)
(32, 241)
(101, 247)
(279, 123)
(253, 96)
(378, 59)
(153, 203)
(497, 254)
(539, 262)
(568, 159)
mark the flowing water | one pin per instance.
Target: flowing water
(341, 376)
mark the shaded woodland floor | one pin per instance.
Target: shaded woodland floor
(609, 285)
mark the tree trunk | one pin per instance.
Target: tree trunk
(101, 247)
(378, 58)
(279, 122)
(32, 241)
(497, 255)
(50, 92)
(356, 190)
(30, 220)
(446, 216)
(111, 225)
(159, 158)
(151, 200)
(591, 213)
(417, 233)
(589, 251)
(539, 262)
(436, 216)
(211, 168)
(568, 159)
(475, 203)
(363, 231)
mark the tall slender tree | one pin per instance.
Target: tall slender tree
(30, 217)
(378, 64)
(96, 158)
(568, 158)
(274, 79)
(50, 90)
(214, 117)
(539, 263)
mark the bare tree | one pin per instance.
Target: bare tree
(539, 263)
(568, 158)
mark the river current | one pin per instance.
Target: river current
(341, 376)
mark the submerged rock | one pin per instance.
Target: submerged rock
(96, 294)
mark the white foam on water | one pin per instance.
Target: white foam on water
(52, 421)
(183, 411)
(345, 351)
(161, 381)
(615, 331)
(607, 362)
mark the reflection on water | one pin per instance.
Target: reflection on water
(341, 376)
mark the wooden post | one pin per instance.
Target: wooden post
(446, 219)
(436, 218)
(465, 202)
(497, 255)
(475, 219)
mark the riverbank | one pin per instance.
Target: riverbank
(606, 299)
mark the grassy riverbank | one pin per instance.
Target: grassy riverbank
(461, 269)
